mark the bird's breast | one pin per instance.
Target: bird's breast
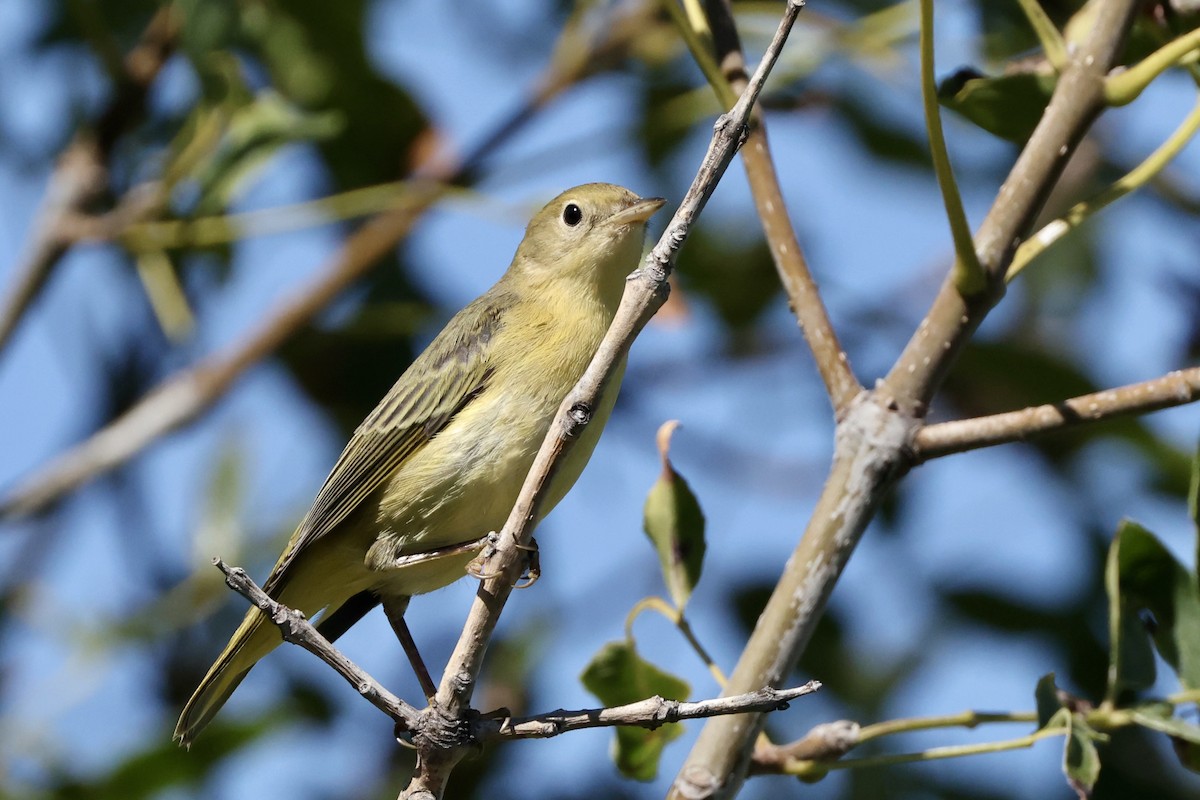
(463, 483)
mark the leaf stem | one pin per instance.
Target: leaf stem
(676, 617)
(965, 719)
(693, 27)
(969, 277)
(1050, 233)
(818, 768)
(1049, 36)
(1125, 87)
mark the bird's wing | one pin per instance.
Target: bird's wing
(453, 371)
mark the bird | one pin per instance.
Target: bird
(439, 462)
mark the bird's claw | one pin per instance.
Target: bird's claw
(533, 565)
(529, 575)
(486, 551)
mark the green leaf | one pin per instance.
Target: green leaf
(1151, 579)
(618, 675)
(1184, 735)
(1081, 762)
(318, 57)
(1188, 754)
(256, 131)
(675, 524)
(1048, 704)
(1131, 659)
(1008, 106)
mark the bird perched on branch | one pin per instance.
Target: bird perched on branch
(439, 462)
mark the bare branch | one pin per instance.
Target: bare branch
(79, 178)
(649, 713)
(81, 175)
(645, 291)
(794, 273)
(296, 629)
(825, 742)
(1173, 389)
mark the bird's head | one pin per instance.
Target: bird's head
(591, 235)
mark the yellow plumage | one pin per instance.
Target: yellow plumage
(442, 457)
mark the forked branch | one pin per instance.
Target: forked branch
(649, 713)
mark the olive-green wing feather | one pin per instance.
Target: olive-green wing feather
(453, 371)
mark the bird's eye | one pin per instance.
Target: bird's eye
(572, 214)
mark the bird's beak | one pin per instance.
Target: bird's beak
(640, 211)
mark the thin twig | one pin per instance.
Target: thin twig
(1173, 389)
(78, 180)
(128, 225)
(815, 769)
(649, 713)
(832, 362)
(296, 629)
(830, 741)
(676, 617)
(645, 291)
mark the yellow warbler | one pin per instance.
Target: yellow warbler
(439, 462)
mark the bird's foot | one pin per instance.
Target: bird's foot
(529, 574)
(533, 565)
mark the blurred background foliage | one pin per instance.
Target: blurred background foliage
(984, 572)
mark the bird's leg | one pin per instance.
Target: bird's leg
(395, 616)
(483, 544)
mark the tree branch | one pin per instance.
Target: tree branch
(187, 394)
(645, 291)
(794, 273)
(297, 630)
(81, 175)
(872, 443)
(1077, 100)
(649, 713)
(1173, 389)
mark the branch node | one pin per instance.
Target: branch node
(580, 415)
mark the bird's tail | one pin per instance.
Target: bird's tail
(254, 638)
